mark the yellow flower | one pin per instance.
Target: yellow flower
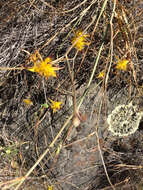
(55, 105)
(122, 64)
(50, 187)
(79, 40)
(28, 101)
(101, 74)
(44, 68)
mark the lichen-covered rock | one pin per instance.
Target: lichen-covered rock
(124, 120)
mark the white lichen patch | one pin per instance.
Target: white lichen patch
(124, 120)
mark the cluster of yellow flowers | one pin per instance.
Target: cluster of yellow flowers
(122, 64)
(46, 69)
(79, 41)
(54, 105)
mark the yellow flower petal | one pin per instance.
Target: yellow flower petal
(48, 60)
(50, 187)
(28, 101)
(101, 74)
(55, 105)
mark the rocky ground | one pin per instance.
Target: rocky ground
(44, 146)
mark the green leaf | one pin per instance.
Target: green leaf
(45, 105)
